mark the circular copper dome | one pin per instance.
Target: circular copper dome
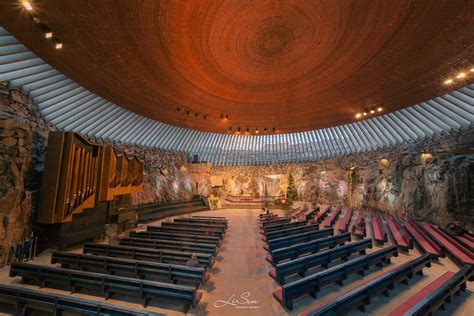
(294, 65)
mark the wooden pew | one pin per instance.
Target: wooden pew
(332, 218)
(458, 252)
(313, 283)
(346, 220)
(304, 236)
(175, 236)
(26, 300)
(427, 306)
(294, 211)
(437, 294)
(202, 220)
(312, 246)
(146, 254)
(280, 220)
(359, 232)
(209, 227)
(272, 228)
(220, 218)
(322, 258)
(402, 239)
(131, 268)
(169, 244)
(425, 242)
(324, 213)
(290, 231)
(186, 230)
(380, 235)
(106, 285)
(361, 295)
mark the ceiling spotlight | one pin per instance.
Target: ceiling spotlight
(187, 112)
(379, 109)
(364, 114)
(248, 130)
(48, 34)
(227, 116)
(372, 111)
(204, 116)
(222, 115)
(238, 129)
(256, 130)
(178, 109)
(230, 128)
(58, 45)
(196, 114)
(265, 130)
(358, 115)
(36, 19)
(461, 75)
(448, 81)
(471, 70)
(274, 129)
(27, 5)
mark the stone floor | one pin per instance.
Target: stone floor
(240, 285)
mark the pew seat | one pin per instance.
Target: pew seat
(26, 300)
(290, 231)
(106, 285)
(332, 218)
(202, 220)
(169, 244)
(131, 268)
(424, 240)
(313, 283)
(361, 295)
(275, 221)
(271, 228)
(460, 253)
(310, 247)
(380, 235)
(322, 258)
(345, 221)
(400, 236)
(420, 295)
(360, 232)
(146, 254)
(440, 294)
(185, 230)
(176, 236)
(304, 236)
(208, 227)
(324, 213)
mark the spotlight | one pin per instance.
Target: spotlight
(364, 114)
(204, 116)
(48, 34)
(274, 129)
(178, 109)
(372, 111)
(187, 112)
(461, 75)
(227, 116)
(358, 115)
(230, 128)
(256, 130)
(247, 129)
(238, 129)
(196, 114)
(27, 5)
(471, 70)
(58, 45)
(222, 116)
(448, 81)
(265, 130)
(379, 109)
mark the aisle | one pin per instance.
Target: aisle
(240, 284)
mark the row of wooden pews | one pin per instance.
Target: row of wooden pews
(147, 266)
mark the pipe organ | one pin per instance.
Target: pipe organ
(79, 175)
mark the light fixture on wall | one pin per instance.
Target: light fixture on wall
(58, 45)
(27, 5)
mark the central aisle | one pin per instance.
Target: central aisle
(239, 282)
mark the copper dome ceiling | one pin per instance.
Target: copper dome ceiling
(293, 65)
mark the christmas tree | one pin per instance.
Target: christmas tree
(291, 192)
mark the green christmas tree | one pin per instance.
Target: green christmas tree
(291, 192)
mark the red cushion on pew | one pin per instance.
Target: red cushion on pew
(269, 258)
(272, 273)
(198, 296)
(278, 294)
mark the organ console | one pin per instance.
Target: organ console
(79, 175)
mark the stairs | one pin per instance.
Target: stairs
(150, 212)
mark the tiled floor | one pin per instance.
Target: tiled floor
(240, 285)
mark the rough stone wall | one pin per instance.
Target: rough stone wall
(23, 139)
(437, 187)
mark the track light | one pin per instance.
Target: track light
(178, 109)
(265, 130)
(461, 75)
(204, 116)
(48, 34)
(358, 115)
(448, 81)
(187, 112)
(364, 114)
(227, 116)
(238, 129)
(230, 128)
(58, 45)
(247, 129)
(379, 109)
(222, 116)
(196, 114)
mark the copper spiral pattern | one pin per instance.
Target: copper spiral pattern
(294, 65)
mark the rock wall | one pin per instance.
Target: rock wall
(23, 139)
(430, 180)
